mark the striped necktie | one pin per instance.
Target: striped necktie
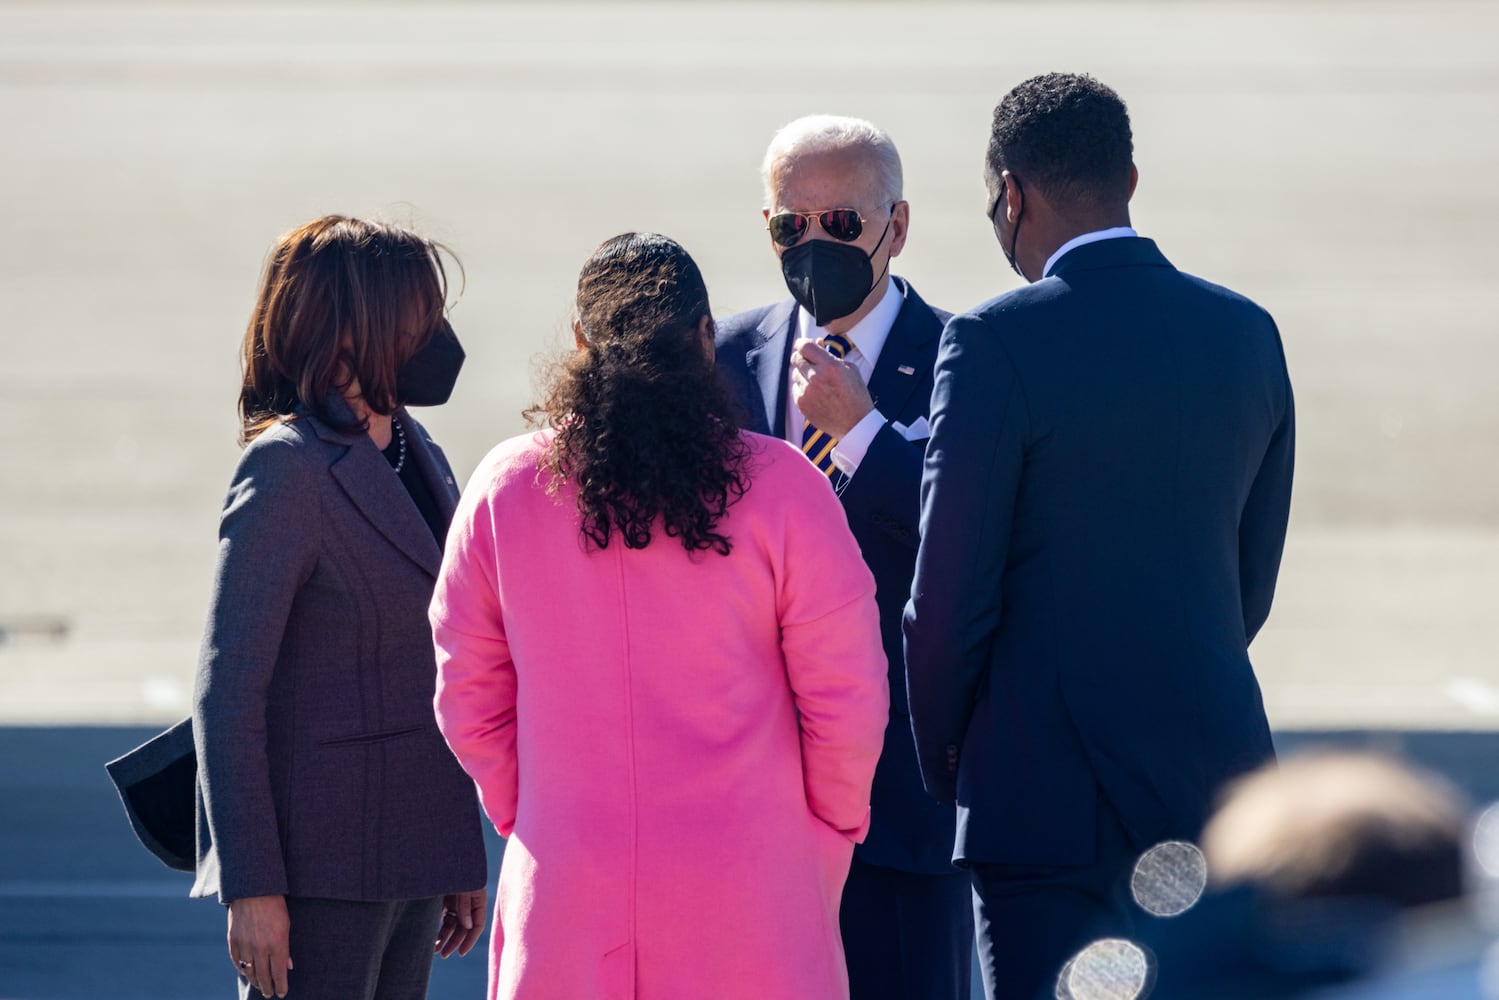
(818, 445)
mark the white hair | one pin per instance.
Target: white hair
(829, 133)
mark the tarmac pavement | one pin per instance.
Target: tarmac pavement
(1332, 160)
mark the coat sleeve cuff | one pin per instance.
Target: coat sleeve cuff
(853, 446)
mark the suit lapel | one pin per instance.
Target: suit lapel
(438, 477)
(767, 366)
(908, 347)
(376, 491)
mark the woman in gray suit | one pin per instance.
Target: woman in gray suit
(332, 818)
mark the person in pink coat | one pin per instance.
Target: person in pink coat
(659, 658)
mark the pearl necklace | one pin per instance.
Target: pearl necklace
(395, 422)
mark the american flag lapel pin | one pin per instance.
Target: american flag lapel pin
(906, 370)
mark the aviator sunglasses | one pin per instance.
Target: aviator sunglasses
(842, 224)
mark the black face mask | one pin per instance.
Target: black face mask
(428, 376)
(830, 280)
(1014, 232)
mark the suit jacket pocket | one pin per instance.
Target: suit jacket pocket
(360, 739)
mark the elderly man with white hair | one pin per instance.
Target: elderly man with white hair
(843, 370)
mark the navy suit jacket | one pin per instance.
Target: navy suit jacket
(1103, 510)
(909, 831)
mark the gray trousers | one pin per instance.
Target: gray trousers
(347, 950)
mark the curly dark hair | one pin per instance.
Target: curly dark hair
(645, 428)
(1069, 135)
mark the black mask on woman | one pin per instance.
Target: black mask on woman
(830, 280)
(428, 376)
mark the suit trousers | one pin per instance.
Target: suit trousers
(349, 950)
(907, 936)
(1032, 919)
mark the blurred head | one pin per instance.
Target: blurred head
(835, 212)
(1338, 824)
(645, 431)
(343, 304)
(1060, 159)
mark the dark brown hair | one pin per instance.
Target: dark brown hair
(340, 299)
(645, 429)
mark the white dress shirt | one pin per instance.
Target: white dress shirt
(868, 337)
(1098, 234)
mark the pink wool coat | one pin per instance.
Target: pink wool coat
(679, 748)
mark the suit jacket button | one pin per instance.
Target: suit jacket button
(952, 758)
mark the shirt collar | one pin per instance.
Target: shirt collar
(1098, 234)
(871, 332)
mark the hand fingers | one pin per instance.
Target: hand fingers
(472, 918)
(448, 935)
(463, 919)
(250, 961)
(280, 962)
(813, 354)
(259, 972)
(265, 969)
(465, 909)
(481, 911)
(470, 938)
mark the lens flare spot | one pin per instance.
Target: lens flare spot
(1169, 878)
(1486, 841)
(1108, 969)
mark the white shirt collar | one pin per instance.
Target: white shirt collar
(1093, 237)
(870, 333)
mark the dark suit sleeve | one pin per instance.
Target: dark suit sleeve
(1262, 525)
(885, 490)
(973, 461)
(268, 544)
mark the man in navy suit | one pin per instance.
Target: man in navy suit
(843, 370)
(1103, 509)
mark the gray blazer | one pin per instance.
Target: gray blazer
(321, 771)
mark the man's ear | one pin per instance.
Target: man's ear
(1134, 178)
(578, 337)
(1014, 197)
(900, 224)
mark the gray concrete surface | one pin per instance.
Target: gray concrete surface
(1333, 160)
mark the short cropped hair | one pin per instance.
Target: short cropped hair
(1068, 135)
(1334, 824)
(827, 133)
